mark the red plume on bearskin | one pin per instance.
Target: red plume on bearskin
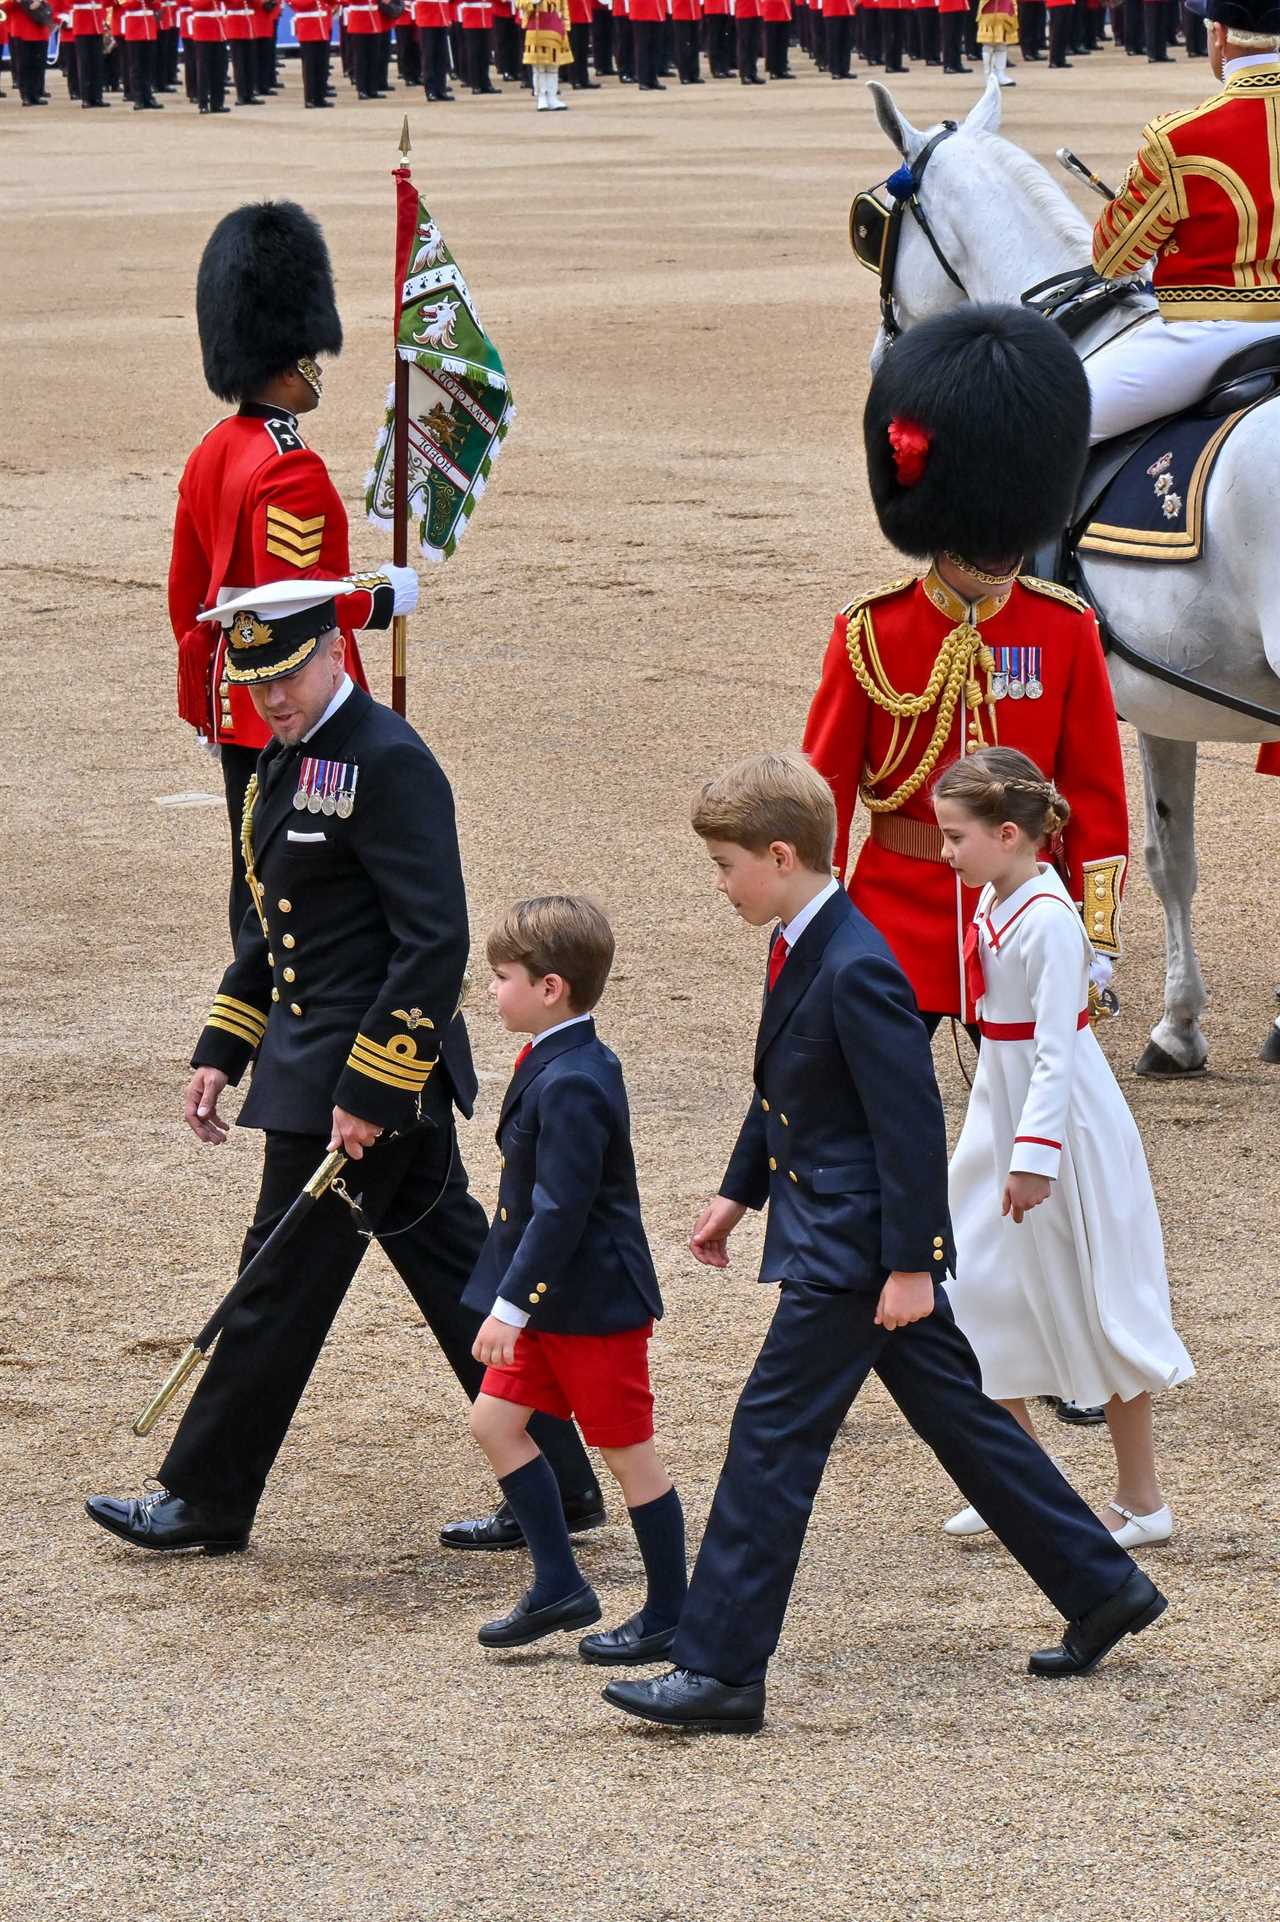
(976, 429)
(264, 296)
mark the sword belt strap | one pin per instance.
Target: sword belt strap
(918, 840)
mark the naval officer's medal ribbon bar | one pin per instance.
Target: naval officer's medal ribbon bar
(1017, 674)
(327, 787)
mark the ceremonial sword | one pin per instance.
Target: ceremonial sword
(1074, 165)
(196, 1351)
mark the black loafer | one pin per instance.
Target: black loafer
(502, 1530)
(164, 1521)
(1077, 1416)
(1133, 1607)
(525, 1624)
(628, 1645)
(681, 1699)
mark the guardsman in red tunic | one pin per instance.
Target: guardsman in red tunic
(1202, 200)
(837, 26)
(746, 18)
(718, 27)
(29, 49)
(141, 32)
(313, 30)
(207, 25)
(685, 18)
(266, 14)
(776, 18)
(959, 422)
(580, 43)
(432, 19)
(255, 504)
(88, 25)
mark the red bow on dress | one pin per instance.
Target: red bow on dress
(975, 984)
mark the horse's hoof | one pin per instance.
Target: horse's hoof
(1271, 1046)
(1156, 1065)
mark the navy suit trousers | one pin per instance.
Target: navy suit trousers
(820, 1348)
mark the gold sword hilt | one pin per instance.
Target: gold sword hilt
(187, 1362)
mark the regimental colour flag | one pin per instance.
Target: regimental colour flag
(460, 405)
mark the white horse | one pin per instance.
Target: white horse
(1004, 225)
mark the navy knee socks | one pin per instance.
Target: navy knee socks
(535, 1502)
(659, 1530)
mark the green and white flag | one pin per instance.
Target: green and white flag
(460, 405)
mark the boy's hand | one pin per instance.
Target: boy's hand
(495, 1345)
(709, 1241)
(904, 1298)
(1022, 1192)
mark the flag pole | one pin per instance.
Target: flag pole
(400, 470)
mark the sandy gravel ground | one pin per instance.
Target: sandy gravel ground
(309, 1733)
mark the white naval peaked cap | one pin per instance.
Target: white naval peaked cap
(279, 599)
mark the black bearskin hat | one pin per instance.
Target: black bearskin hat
(1242, 16)
(976, 430)
(264, 296)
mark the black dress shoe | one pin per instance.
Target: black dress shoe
(653, 86)
(525, 1624)
(164, 1521)
(1133, 1607)
(1075, 1414)
(502, 1530)
(681, 1699)
(627, 1646)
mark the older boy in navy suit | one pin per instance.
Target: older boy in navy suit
(844, 1140)
(568, 1285)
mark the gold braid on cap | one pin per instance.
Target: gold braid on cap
(962, 651)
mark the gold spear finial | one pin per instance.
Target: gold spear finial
(405, 142)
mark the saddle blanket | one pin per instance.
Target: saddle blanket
(1153, 509)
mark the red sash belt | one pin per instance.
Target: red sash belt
(1020, 1030)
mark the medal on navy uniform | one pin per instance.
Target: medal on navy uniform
(347, 792)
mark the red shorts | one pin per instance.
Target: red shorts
(601, 1381)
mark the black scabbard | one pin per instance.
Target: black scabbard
(320, 1183)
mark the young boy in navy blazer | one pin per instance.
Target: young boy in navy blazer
(568, 1285)
(845, 1142)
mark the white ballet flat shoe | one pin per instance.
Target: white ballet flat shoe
(967, 1521)
(1142, 1531)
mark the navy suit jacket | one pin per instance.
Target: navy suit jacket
(845, 1137)
(567, 1244)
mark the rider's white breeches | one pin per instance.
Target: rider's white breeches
(1161, 368)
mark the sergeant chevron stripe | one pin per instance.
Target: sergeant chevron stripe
(238, 1018)
(294, 540)
(396, 1065)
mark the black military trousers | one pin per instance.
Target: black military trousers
(264, 64)
(777, 38)
(240, 1413)
(624, 47)
(91, 68)
(820, 1348)
(748, 47)
(892, 22)
(433, 59)
(645, 39)
(580, 48)
(211, 93)
(720, 47)
(839, 30)
(140, 62)
(1031, 28)
(315, 71)
(952, 25)
(686, 39)
(601, 40)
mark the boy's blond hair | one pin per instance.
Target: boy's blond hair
(564, 934)
(772, 797)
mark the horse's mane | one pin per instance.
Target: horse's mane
(1045, 195)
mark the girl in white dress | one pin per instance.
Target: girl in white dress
(1060, 1280)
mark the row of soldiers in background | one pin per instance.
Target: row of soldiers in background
(138, 47)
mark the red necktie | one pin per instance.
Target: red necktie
(777, 955)
(521, 1056)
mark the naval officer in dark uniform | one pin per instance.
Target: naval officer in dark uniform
(344, 991)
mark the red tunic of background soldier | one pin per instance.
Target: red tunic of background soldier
(958, 423)
(255, 503)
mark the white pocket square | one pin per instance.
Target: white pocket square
(294, 835)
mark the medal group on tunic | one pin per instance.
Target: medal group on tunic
(327, 787)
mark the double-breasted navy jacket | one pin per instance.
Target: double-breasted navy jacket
(567, 1245)
(350, 962)
(844, 1138)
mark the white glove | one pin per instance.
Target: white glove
(211, 748)
(404, 581)
(1101, 971)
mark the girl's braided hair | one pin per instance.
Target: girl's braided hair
(999, 784)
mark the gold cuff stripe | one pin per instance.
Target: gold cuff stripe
(228, 1004)
(411, 1083)
(280, 517)
(230, 1026)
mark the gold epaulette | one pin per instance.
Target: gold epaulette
(879, 594)
(1052, 591)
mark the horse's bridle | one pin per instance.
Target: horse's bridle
(875, 231)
